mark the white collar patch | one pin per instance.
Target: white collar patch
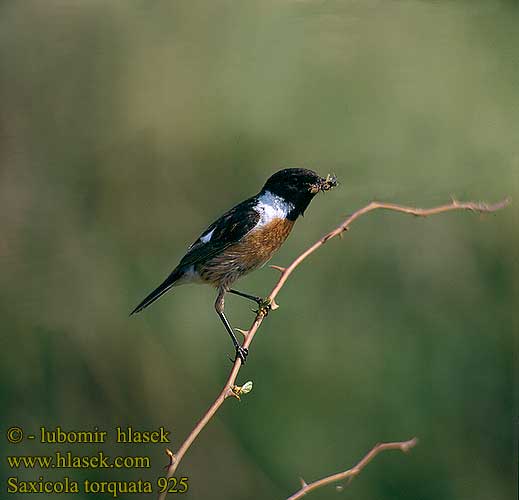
(271, 207)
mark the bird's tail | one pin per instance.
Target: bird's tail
(159, 291)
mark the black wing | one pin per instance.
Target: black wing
(228, 229)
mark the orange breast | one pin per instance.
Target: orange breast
(251, 252)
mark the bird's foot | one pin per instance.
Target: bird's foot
(241, 352)
(264, 306)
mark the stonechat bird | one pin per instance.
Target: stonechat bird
(244, 239)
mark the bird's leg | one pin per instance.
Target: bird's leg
(264, 305)
(246, 295)
(241, 352)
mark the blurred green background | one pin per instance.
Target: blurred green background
(127, 127)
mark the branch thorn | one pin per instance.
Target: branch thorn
(454, 201)
(278, 268)
(243, 332)
(171, 456)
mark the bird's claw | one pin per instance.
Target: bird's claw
(264, 306)
(241, 352)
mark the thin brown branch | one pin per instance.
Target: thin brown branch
(479, 207)
(227, 390)
(349, 474)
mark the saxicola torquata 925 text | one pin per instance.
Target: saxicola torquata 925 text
(245, 238)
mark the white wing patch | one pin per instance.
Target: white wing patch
(272, 207)
(205, 238)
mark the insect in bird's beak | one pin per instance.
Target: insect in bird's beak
(329, 183)
(325, 184)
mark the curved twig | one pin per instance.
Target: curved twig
(349, 474)
(229, 389)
